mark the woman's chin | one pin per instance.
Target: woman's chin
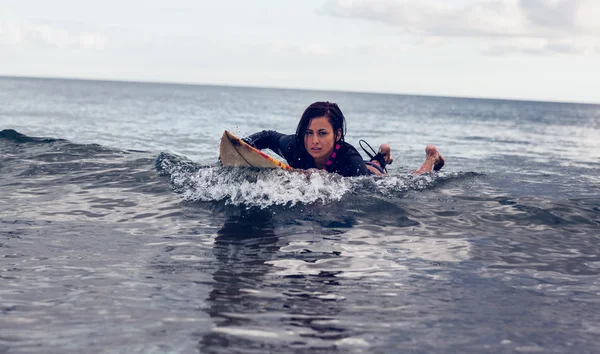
(317, 156)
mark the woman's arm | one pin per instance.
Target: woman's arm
(267, 139)
(270, 139)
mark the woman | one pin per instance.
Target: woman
(319, 143)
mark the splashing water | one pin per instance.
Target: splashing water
(270, 187)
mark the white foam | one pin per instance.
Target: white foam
(271, 187)
(260, 188)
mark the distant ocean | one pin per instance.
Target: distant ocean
(120, 233)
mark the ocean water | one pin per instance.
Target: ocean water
(120, 233)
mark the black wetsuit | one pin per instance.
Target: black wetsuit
(347, 163)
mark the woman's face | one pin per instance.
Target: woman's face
(319, 139)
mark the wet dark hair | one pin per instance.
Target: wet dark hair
(331, 111)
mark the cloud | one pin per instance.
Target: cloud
(572, 16)
(562, 26)
(537, 46)
(52, 36)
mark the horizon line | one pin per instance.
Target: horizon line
(2, 76)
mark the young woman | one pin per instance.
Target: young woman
(319, 143)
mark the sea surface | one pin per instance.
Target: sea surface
(120, 232)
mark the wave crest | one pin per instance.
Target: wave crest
(274, 187)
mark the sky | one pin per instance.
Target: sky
(515, 49)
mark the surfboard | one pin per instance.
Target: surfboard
(235, 152)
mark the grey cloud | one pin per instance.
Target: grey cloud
(497, 18)
(550, 14)
(509, 26)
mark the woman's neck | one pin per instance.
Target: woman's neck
(321, 163)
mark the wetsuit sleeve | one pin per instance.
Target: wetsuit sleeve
(270, 139)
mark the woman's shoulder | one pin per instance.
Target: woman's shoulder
(348, 150)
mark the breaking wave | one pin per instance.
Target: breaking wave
(274, 187)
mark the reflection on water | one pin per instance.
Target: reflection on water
(302, 279)
(251, 307)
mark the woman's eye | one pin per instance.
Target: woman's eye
(322, 133)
